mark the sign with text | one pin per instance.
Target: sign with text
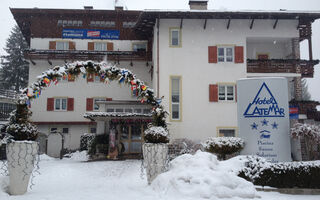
(263, 118)
(91, 34)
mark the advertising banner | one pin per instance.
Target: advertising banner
(263, 118)
(91, 34)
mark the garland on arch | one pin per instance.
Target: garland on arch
(107, 74)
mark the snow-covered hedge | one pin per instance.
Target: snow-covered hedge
(282, 175)
(156, 134)
(223, 145)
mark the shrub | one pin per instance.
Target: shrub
(85, 141)
(282, 175)
(223, 145)
(156, 134)
(19, 127)
(97, 141)
(182, 146)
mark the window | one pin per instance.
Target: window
(226, 92)
(100, 46)
(95, 104)
(60, 104)
(175, 98)
(225, 54)
(139, 46)
(128, 110)
(110, 24)
(110, 110)
(62, 46)
(128, 24)
(137, 110)
(93, 130)
(119, 110)
(225, 132)
(175, 37)
(59, 130)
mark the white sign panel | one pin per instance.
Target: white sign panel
(263, 118)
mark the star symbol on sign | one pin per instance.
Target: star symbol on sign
(274, 125)
(254, 126)
(264, 122)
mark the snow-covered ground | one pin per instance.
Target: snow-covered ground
(189, 177)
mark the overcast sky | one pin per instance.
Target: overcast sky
(7, 21)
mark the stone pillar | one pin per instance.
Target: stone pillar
(297, 80)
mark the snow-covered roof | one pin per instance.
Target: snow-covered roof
(281, 11)
(94, 115)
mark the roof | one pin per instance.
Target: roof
(147, 18)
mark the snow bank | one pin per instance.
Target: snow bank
(78, 156)
(199, 176)
(45, 157)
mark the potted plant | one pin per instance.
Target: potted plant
(155, 148)
(20, 135)
(223, 146)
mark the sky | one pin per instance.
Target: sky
(7, 21)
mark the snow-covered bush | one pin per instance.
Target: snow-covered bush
(282, 175)
(156, 134)
(308, 130)
(181, 146)
(311, 135)
(19, 127)
(223, 145)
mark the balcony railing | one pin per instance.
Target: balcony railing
(282, 66)
(10, 94)
(314, 115)
(87, 55)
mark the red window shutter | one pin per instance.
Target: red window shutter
(108, 99)
(89, 104)
(213, 93)
(238, 52)
(70, 105)
(90, 77)
(72, 46)
(50, 104)
(109, 46)
(52, 45)
(212, 54)
(91, 46)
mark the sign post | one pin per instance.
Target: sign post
(263, 118)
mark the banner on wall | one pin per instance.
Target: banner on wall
(263, 118)
(91, 34)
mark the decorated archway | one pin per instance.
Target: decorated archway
(107, 73)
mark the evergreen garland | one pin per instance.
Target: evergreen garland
(107, 73)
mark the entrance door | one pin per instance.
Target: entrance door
(131, 136)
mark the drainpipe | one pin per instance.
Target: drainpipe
(158, 67)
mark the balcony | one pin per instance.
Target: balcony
(281, 66)
(87, 55)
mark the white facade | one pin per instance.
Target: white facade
(200, 118)
(79, 90)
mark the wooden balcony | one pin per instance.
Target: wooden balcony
(87, 55)
(282, 66)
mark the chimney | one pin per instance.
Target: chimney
(118, 4)
(88, 7)
(198, 4)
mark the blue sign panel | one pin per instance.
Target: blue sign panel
(91, 34)
(294, 112)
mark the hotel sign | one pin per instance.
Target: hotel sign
(263, 118)
(91, 34)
